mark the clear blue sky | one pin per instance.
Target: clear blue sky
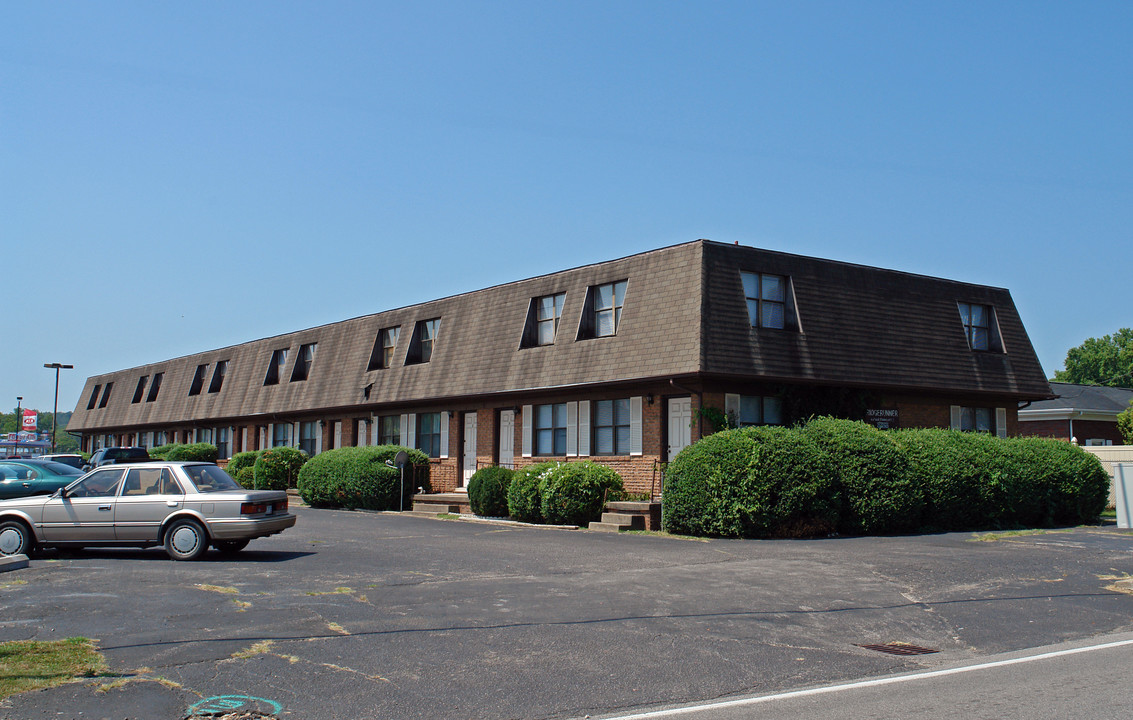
(177, 177)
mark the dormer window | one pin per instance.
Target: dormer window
(768, 300)
(105, 395)
(303, 363)
(424, 339)
(198, 379)
(140, 390)
(602, 314)
(543, 320)
(980, 327)
(384, 345)
(275, 367)
(93, 397)
(154, 387)
(218, 374)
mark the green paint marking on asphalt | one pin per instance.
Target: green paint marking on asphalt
(232, 703)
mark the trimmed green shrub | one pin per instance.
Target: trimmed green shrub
(705, 486)
(200, 452)
(278, 468)
(793, 486)
(1073, 482)
(358, 477)
(242, 460)
(574, 493)
(523, 499)
(753, 482)
(159, 452)
(878, 495)
(245, 476)
(957, 473)
(487, 491)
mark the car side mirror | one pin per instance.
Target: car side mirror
(86, 468)
(58, 493)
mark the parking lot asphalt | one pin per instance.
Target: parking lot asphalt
(364, 615)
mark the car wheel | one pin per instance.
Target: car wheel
(229, 547)
(186, 540)
(15, 538)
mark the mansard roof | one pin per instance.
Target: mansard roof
(684, 315)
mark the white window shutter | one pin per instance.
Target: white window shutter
(318, 439)
(411, 430)
(1001, 422)
(732, 408)
(374, 425)
(572, 429)
(635, 425)
(584, 428)
(444, 434)
(294, 435)
(403, 432)
(528, 411)
(270, 439)
(955, 417)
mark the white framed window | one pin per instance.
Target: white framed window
(309, 437)
(218, 374)
(281, 435)
(746, 410)
(766, 297)
(198, 379)
(429, 433)
(424, 341)
(550, 429)
(979, 419)
(384, 346)
(275, 366)
(980, 326)
(303, 362)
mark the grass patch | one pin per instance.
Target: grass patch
(218, 589)
(33, 665)
(336, 591)
(1004, 534)
(12, 583)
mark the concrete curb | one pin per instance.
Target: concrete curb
(13, 562)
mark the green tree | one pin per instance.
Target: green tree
(1100, 361)
(1125, 424)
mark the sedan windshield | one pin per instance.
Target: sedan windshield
(210, 478)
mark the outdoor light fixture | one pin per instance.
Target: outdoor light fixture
(55, 411)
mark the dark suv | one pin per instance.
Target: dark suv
(113, 455)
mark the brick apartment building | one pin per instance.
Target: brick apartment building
(1085, 414)
(612, 361)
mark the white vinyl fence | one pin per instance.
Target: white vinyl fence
(1110, 454)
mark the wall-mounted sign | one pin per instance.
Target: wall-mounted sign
(883, 419)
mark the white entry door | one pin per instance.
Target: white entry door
(469, 449)
(507, 438)
(680, 425)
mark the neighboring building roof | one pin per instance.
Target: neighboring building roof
(1094, 402)
(684, 315)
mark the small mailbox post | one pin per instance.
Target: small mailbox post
(400, 461)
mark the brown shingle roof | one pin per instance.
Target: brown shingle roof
(684, 314)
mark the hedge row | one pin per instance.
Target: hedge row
(358, 477)
(199, 452)
(849, 477)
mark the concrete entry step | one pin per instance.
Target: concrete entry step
(649, 512)
(454, 503)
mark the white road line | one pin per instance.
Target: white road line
(864, 683)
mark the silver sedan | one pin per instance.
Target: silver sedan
(185, 506)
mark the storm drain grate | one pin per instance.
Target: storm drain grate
(900, 648)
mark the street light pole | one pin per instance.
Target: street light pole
(19, 424)
(55, 411)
